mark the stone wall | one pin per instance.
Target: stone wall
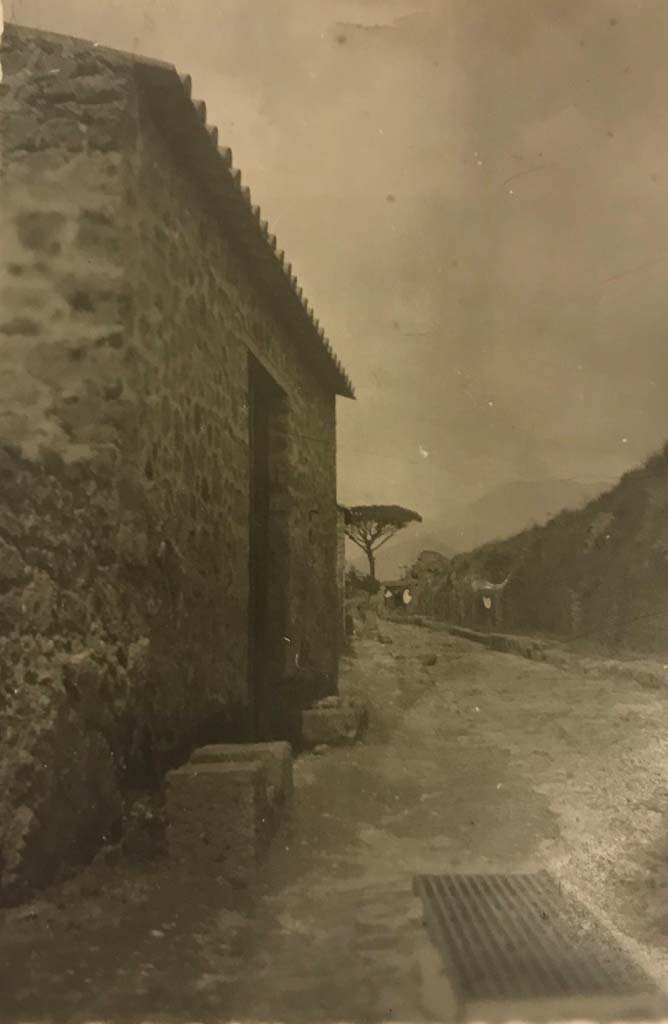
(70, 642)
(198, 318)
(127, 318)
(341, 569)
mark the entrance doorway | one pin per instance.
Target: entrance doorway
(268, 546)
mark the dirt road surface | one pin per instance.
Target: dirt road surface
(474, 760)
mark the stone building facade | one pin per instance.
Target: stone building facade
(341, 568)
(168, 517)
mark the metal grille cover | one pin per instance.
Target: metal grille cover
(518, 947)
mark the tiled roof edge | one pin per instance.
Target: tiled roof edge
(162, 77)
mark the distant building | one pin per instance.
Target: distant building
(168, 506)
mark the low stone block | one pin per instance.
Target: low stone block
(334, 726)
(218, 818)
(523, 646)
(276, 758)
(471, 634)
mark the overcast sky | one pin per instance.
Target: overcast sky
(474, 194)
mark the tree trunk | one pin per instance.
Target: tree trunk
(372, 563)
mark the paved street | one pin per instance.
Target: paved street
(474, 760)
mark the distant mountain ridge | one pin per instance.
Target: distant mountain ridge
(516, 505)
(507, 509)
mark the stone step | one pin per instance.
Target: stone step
(276, 758)
(219, 818)
(333, 722)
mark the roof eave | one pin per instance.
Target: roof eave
(184, 121)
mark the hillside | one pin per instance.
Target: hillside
(515, 506)
(502, 512)
(599, 572)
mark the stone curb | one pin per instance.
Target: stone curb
(649, 674)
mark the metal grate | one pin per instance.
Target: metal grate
(517, 946)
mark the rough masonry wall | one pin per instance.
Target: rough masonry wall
(68, 641)
(341, 572)
(201, 315)
(124, 460)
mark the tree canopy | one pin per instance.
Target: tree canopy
(371, 526)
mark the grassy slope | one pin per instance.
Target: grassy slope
(600, 572)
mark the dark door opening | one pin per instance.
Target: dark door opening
(267, 546)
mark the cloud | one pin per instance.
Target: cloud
(549, 301)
